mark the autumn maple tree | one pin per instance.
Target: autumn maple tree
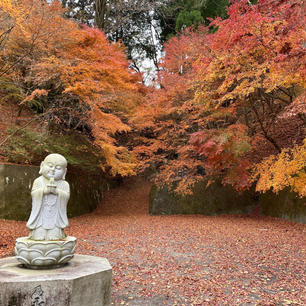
(230, 93)
(257, 65)
(82, 80)
(224, 90)
(96, 71)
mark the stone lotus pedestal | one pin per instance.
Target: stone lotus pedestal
(83, 281)
(44, 254)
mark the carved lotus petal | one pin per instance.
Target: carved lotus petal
(20, 245)
(66, 252)
(69, 244)
(19, 249)
(56, 253)
(43, 261)
(49, 247)
(32, 254)
(23, 260)
(23, 253)
(65, 259)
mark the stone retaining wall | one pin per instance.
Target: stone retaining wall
(217, 199)
(213, 200)
(286, 205)
(87, 191)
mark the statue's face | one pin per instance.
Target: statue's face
(51, 168)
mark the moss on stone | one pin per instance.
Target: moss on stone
(286, 204)
(30, 147)
(212, 200)
(217, 199)
(87, 191)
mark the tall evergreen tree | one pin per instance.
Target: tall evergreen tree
(180, 14)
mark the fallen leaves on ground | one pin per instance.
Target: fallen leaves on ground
(187, 260)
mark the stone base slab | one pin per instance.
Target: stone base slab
(84, 281)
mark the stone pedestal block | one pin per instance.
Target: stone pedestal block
(84, 281)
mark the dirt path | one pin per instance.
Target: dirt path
(191, 260)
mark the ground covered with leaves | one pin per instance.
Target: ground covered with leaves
(187, 260)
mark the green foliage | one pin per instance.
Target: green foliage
(188, 18)
(35, 104)
(30, 147)
(214, 8)
(184, 13)
(10, 92)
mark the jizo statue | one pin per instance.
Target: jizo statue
(50, 195)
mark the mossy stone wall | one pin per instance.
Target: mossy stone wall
(217, 199)
(286, 205)
(86, 191)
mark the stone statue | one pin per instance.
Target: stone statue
(47, 246)
(50, 194)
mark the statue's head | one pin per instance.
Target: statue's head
(54, 166)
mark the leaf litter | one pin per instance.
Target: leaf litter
(187, 260)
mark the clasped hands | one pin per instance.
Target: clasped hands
(50, 188)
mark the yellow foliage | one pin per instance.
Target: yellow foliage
(288, 169)
(118, 160)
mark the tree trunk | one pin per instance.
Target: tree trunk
(262, 126)
(100, 13)
(64, 3)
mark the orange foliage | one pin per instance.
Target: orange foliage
(168, 118)
(35, 33)
(79, 62)
(220, 90)
(224, 151)
(257, 48)
(96, 71)
(226, 88)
